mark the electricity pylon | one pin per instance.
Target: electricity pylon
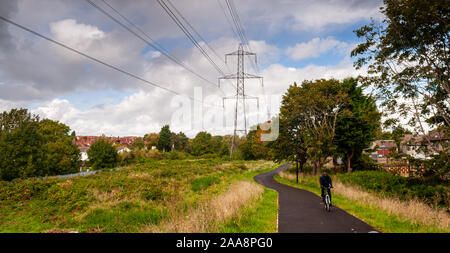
(240, 77)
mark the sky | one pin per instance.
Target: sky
(295, 40)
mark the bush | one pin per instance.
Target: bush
(175, 155)
(102, 154)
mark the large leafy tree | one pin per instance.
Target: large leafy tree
(20, 145)
(290, 144)
(202, 144)
(308, 119)
(318, 105)
(61, 156)
(408, 62)
(102, 154)
(358, 125)
(30, 147)
(165, 139)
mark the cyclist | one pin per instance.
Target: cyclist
(325, 183)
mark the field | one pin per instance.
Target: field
(386, 212)
(202, 195)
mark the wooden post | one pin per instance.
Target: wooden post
(296, 162)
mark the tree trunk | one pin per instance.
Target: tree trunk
(349, 158)
(296, 162)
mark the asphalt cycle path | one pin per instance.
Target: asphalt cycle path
(301, 211)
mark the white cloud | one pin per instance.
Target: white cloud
(36, 72)
(79, 35)
(315, 47)
(145, 111)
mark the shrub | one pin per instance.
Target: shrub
(102, 154)
(175, 155)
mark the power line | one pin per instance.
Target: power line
(237, 22)
(148, 41)
(97, 60)
(228, 20)
(195, 31)
(189, 35)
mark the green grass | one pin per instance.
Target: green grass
(374, 216)
(259, 217)
(203, 183)
(126, 200)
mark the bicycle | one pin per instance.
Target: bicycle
(327, 199)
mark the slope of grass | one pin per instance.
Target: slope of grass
(129, 200)
(368, 211)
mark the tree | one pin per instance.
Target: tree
(180, 141)
(357, 127)
(164, 141)
(61, 156)
(408, 62)
(20, 145)
(102, 154)
(30, 147)
(152, 140)
(253, 148)
(202, 144)
(138, 144)
(397, 135)
(291, 144)
(318, 105)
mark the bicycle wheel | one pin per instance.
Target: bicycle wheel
(327, 202)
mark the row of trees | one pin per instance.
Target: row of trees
(203, 143)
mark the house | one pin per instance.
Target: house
(415, 146)
(382, 149)
(120, 150)
(439, 137)
(83, 152)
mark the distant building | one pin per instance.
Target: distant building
(382, 149)
(415, 146)
(83, 152)
(83, 141)
(120, 150)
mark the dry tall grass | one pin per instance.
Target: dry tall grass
(207, 216)
(414, 210)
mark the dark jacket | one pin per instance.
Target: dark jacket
(325, 181)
